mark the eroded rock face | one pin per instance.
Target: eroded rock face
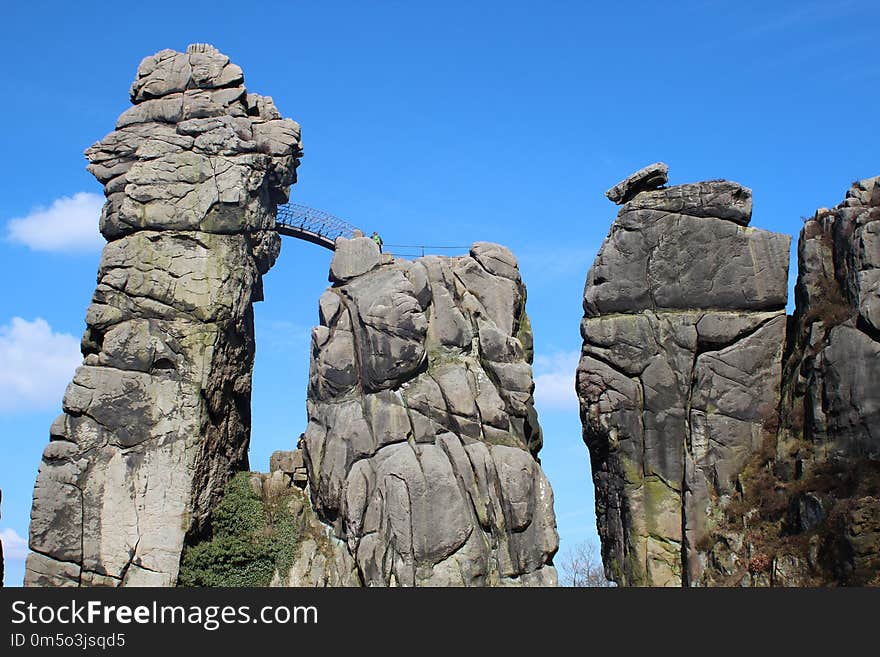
(683, 329)
(157, 417)
(422, 438)
(837, 325)
(647, 178)
(810, 508)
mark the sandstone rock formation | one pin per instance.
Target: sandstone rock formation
(419, 465)
(320, 559)
(679, 380)
(809, 513)
(647, 178)
(265, 533)
(422, 439)
(837, 326)
(157, 418)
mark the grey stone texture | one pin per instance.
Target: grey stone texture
(679, 379)
(157, 417)
(687, 247)
(837, 325)
(828, 447)
(353, 257)
(422, 439)
(647, 178)
(321, 559)
(292, 464)
(419, 464)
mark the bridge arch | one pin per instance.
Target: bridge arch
(311, 225)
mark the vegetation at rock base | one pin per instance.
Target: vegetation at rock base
(252, 538)
(766, 511)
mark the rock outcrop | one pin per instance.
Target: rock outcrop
(835, 365)
(422, 439)
(809, 511)
(679, 379)
(265, 533)
(647, 178)
(157, 418)
(320, 558)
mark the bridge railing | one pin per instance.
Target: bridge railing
(323, 228)
(313, 221)
(420, 250)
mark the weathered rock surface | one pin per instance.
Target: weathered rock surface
(837, 325)
(321, 559)
(683, 329)
(719, 458)
(810, 508)
(422, 438)
(353, 258)
(646, 178)
(157, 417)
(688, 247)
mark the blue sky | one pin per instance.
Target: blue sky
(433, 123)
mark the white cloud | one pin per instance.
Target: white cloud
(70, 224)
(35, 365)
(15, 548)
(554, 380)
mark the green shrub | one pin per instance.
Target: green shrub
(251, 539)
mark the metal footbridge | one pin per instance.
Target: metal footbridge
(311, 225)
(322, 228)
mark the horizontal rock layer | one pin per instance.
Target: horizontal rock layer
(647, 178)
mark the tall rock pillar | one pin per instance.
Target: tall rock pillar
(158, 415)
(422, 439)
(679, 379)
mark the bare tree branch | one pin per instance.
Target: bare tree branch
(581, 566)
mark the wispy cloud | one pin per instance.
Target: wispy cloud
(69, 224)
(36, 364)
(554, 380)
(15, 548)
